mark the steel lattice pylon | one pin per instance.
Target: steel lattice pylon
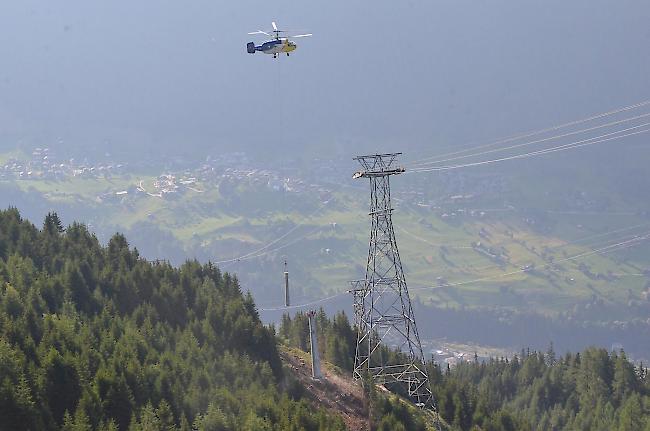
(382, 306)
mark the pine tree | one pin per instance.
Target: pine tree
(60, 382)
(165, 416)
(625, 378)
(52, 224)
(631, 415)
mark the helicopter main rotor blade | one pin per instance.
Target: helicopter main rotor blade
(259, 32)
(275, 27)
(302, 35)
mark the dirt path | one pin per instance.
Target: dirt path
(336, 393)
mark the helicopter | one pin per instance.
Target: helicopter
(277, 45)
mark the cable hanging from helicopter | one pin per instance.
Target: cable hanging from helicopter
(277, 45)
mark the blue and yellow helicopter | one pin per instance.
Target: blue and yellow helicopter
(276, 46)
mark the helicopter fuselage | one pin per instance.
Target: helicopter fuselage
(273, 47)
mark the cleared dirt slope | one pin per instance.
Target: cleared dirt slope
(337, 393)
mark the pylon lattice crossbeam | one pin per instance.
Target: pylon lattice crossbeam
(382, 306)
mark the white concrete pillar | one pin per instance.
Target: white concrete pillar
(313, 339)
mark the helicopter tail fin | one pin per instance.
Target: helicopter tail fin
(250, 47)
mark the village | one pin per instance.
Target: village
(460, 196)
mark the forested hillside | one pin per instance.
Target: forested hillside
(592, 390)
(95, 337)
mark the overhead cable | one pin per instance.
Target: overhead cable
(603, 250)
(572, 145)
(608, 249)
(275, 241)
(537, 141)
(538, 132)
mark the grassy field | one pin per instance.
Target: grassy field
(74, 188)
(9, 155)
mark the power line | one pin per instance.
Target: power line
(321, 300)
(572, 145)
(603, 250)
(256, 253)
(280, 238)
(599, 213)
(557, 247)
(599, 235)
(575, 144)
(412, 235)
(483, 268)
(505, 140)
(306, 304)
(537, 141)
(273, 250)
(539, 132)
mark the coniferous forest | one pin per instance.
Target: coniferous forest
(592, 390)
(95, 337)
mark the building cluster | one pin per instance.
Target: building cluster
(44, 164)
(459, 195)
(166, 183)
(238, 170)
(164, 186)
(445, 356)
(226, 172)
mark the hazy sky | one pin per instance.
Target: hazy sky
(170, 77)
